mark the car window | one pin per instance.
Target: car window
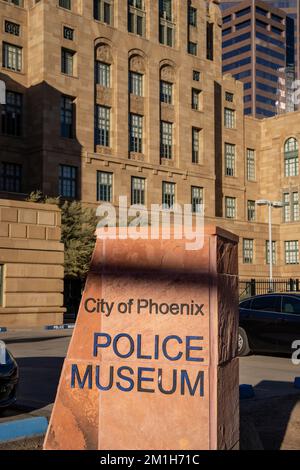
(291, 305)
(245, 304)
(269, 303)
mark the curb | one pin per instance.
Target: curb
(23, 429)
(59, 327)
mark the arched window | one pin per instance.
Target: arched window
(167, 81)
(137, 70)
(291, 157)
(103, 62)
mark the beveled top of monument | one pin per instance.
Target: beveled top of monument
(169, 254)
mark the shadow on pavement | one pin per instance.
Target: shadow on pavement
(33, 340)
(276, 418)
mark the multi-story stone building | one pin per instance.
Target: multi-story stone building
(111, 98)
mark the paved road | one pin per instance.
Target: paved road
(271, 376)
(40, 356)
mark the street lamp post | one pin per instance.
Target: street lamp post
(2, 92)
(271, 205)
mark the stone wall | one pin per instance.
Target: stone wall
(32, 257)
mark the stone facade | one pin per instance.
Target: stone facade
(31, 262)
(41, 150)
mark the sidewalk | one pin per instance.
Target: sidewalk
(276, 421)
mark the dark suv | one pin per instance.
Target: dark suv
(269, 323)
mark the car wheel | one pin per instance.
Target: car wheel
(243, 344)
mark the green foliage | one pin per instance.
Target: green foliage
(78, 233)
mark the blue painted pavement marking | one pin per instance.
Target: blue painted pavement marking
(21, 429)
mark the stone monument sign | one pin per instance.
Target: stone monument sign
(152, 363)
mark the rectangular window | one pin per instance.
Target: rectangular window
(248, 251)
(229, 118)
(291, 207)
(166, 140)
(166, 92)
(168, 196)
(12, 28)
(196, 76)
(192, 48)
(136, 17)
(103, 74)
(197, 200)
(192, 16)
(292, 252)
(68, 33)
(67, 61)
(274, 252)
(68, 181)
(102, 126)
(251, 165)
(67, 124)
(10, 177)
(196, 99)
(104, 186)
(103, 11)
(136, 133)
(210, 41)
(1, 284)
(229, 160)
(251, 211)
(138, 191)
(230, 207)
(229, 97)
(296, 207)
(287, 207)
(166, 25)
(195, 145)
(65, 4)
(291, 160)
(12, 114)
(136, 83)
(12, 57)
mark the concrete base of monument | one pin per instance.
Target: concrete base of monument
(152, 362)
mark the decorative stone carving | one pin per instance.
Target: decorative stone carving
(139, 157)
(104, 150)
(167, 162)
(137, 64)
(104, 53)
(167, 73)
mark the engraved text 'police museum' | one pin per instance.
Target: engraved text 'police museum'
(162, 359)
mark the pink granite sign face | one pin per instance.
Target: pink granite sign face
(152, 362)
